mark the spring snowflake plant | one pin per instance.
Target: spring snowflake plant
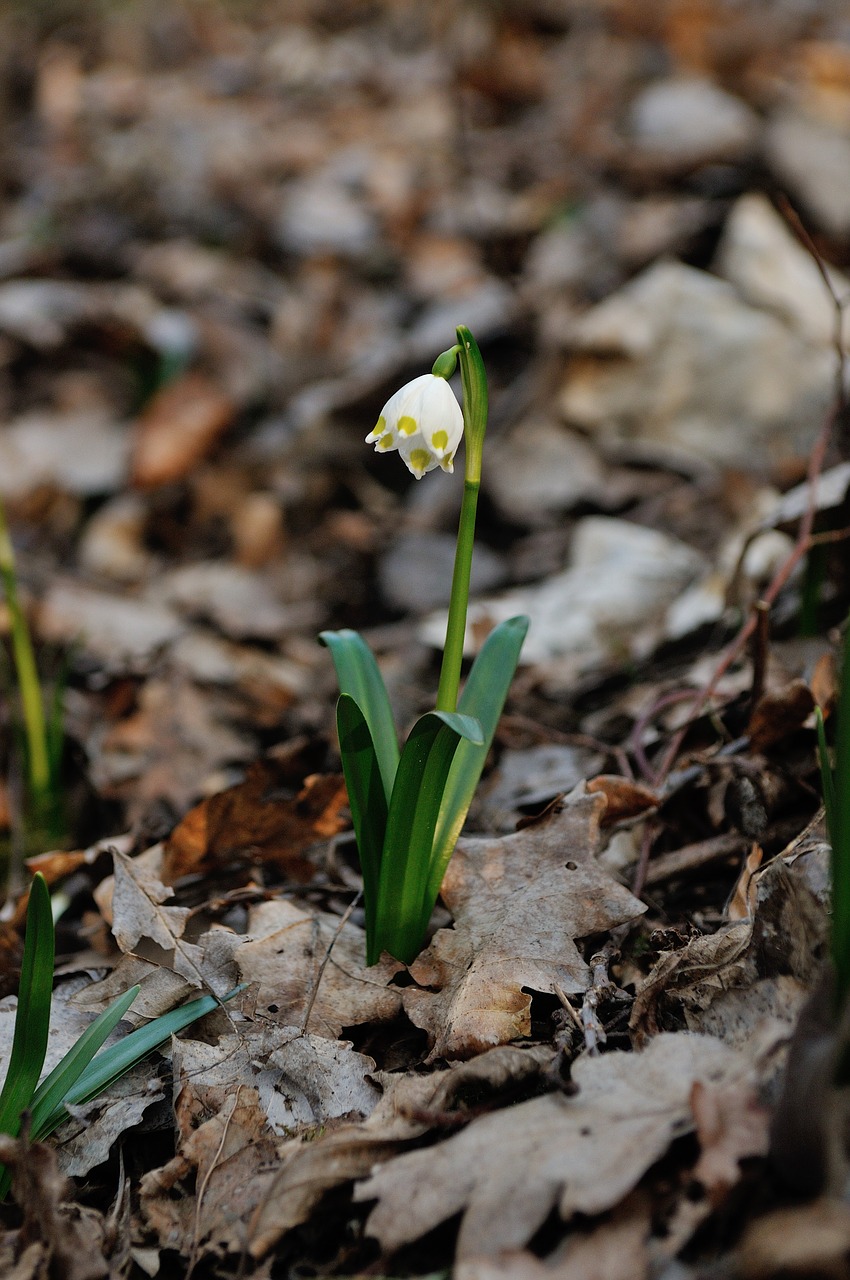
(408, 806)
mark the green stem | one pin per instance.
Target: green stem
(474, 380)
(456, 627)
(38, 759)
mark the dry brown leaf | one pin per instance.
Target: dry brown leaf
(229, 1133)
(779, 714)
(284, 954)
(178, 428)
(624, 798)
(518, 902)
(248, 821)
(616, 1249)
(176, 738)
(784, 937)
(56, 1237)
(742, 903)
(507, 1171)
(409, 1106)
(730, 1126)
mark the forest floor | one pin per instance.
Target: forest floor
(228, 232)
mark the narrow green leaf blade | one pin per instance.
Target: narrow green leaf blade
(413, 812)
(32, 1020)
(366, 797)
(483, 697)
(54, 1088)
(112, 1063)
(358, 675)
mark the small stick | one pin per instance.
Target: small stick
(760, 645)
(344, 919)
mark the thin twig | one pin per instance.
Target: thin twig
(193, 1257)
(344, 919)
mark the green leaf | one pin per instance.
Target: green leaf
(413, 812)
(112, 1063)
(483, 697)
(32, 1019)
(54, 1088)
(358, 675)
(366, 797)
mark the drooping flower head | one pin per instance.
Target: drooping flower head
(423, 420)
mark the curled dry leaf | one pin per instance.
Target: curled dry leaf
(781, 942)
(506, 1172)
(249, 822)
(624, 798)
(518, 902)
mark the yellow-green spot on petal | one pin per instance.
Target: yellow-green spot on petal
(419, 459)
(380, 426)
(440, 439)
(407, 426)
(386, 442)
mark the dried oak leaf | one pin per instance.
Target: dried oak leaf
(285, 953)
(518, 904)
(410, 1106)
(507, 1171)
(229, 1134)
(249, 822)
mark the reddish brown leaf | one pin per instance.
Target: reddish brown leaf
(248, 822)
(624, 798)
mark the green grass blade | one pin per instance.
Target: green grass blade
(413, 812)
(366, 797)
(55, 1087)
(483, 697)
(112, 1063)
(358, 675)
(32, 1019)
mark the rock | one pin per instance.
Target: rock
(770, 268)
(621, 579)
(813, 160)
(416, 573)
(691, 121)
(541, 469)
(676, 359)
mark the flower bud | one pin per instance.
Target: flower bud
(423, 420)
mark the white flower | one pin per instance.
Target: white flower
(424, 422)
